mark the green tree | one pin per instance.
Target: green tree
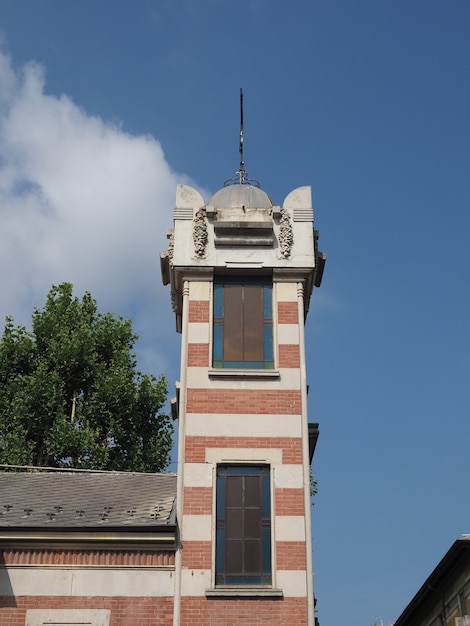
(313, 484)
(70, 394)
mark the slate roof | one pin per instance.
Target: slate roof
(84, 500)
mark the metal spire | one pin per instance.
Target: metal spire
(242, 175)
(241, 171)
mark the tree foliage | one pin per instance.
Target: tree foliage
(70, 393)
(313, 485)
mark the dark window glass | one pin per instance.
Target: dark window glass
(243, 324)
(243, 536)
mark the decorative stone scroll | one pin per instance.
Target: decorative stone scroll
(286, 235)
(200, 237)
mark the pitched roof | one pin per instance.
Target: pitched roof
(447, 571)
(84, 500)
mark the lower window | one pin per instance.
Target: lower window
(243, 525)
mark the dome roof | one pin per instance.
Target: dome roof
(241, 195)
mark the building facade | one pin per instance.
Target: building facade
(228, 540)
(444, 598)
(241, 272)
(88, 548)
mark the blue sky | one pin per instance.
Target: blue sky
(105, 106)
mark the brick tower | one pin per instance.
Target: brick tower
(241, 271)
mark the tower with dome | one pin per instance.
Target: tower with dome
(241, 271)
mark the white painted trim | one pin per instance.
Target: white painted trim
(181, 443)
(199, 290)
(233, 425)
(270, 380)
(285, 291)
(198, 332)
(198, 474)
(306, 461)
(194, 582)
(289, 476)
(293, 583)
(244, 592)
(85, 617)
(71, 581)
(247, 374)
(289, 528)
(196, 528)
(267, 456)
(288, 333)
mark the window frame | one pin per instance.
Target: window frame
(223, 350)
(264, 576)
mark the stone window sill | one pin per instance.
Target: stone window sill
(245, 592)
(242, 373)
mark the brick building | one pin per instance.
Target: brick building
(227, 541)
(87, 548)
(241, 272)
(444, 597)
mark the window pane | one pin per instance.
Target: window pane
(266, 543)
(253, 335)
(252, 524)
(218, 300)
(233, 323)
(268, 344)
(252, 491)
(234, 524)
(265, 497)
(220, 497)
(234, 491)
(234, 557)
(220, 550)
(267, 302)
(252, 557)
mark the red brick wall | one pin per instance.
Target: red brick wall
(125, 611)
(195, 446)
(197, 554)
(198, 355)
(289, 501)
(248, 401)
(287, 313)
(289, 355)
(243, 611)
(291, 555)
(199, 311)
(197, 500)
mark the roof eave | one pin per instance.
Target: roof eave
(162, 538)
(435, 580)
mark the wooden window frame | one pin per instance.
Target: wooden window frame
(243, 323)
(243, 551)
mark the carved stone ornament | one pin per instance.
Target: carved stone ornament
(286, 235)
(200, 237)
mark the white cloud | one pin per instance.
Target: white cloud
(80, 201)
